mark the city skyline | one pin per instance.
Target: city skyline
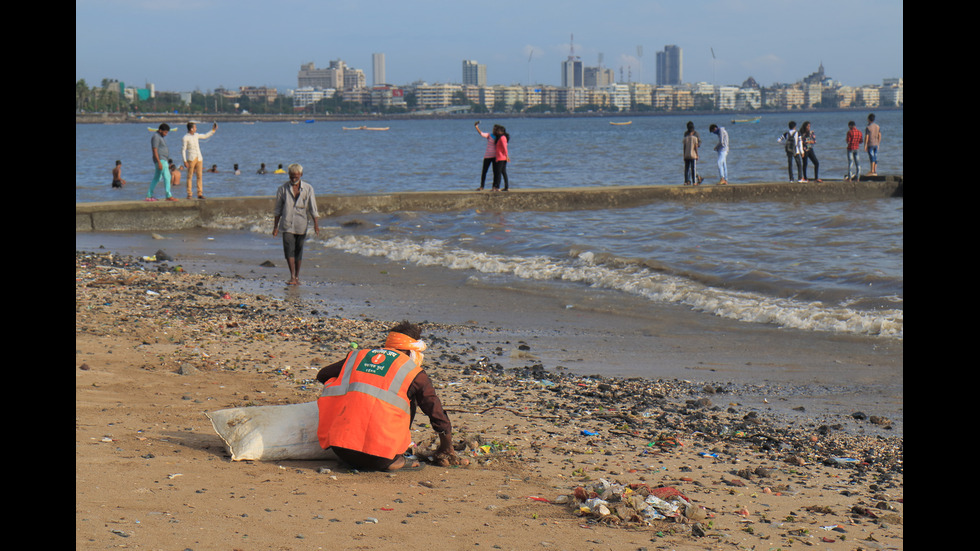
(206, 44)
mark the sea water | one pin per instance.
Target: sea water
(822, 266)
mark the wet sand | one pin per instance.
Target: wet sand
(516, 367)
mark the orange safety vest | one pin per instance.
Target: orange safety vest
(366, 407)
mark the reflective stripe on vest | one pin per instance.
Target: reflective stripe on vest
(386, 395)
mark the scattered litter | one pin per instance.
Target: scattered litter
(634, 503)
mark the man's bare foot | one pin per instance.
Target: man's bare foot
(402, 464)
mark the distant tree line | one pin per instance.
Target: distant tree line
(108, 98)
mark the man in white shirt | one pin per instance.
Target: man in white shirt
(193, 160)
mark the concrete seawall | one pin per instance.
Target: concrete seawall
(183, 214)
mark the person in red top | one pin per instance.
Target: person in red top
(853, 140)
(369, 401)
(503, 155)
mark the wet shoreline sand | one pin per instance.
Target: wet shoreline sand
(156, 349)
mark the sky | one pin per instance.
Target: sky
(187, 45)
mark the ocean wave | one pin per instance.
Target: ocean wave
(599, 271)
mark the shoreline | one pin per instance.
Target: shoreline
(125, 118)
(583, 332)
(155, 348)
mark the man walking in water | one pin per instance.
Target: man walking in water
(295, 206)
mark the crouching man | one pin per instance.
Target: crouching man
(369, 400)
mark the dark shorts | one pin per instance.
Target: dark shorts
(292, 244)
(363, 461)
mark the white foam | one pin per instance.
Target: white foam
(636, 280)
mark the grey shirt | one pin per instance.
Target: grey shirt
(295, 212)
(157, 142)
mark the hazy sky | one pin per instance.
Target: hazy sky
(184, 45)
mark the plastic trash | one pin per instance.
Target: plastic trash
(597, 506)
(589, 433)
(664, 508)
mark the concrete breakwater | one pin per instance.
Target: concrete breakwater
(183, 214)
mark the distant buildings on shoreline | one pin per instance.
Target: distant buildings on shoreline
(593, 88)
(596, 87)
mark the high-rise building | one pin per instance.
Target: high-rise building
(572, 73)
(378, 66)
(670, 66)
(474, 74)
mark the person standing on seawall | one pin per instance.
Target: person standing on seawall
(191, 151)
(853, 140)
(722, 150)
(161, 162)
(808, 138)
(872, 138)
(489, 154)
(794, 151)
(502, 156)
(294, 208)
(692, 141)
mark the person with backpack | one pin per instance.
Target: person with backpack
(793, 146)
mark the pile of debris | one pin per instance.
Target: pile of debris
(634, 503)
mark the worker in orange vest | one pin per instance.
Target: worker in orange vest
(369, 400)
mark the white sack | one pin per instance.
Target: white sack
(270, 433)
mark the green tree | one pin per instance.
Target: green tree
(82, 94)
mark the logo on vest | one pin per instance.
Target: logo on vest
(377, 362)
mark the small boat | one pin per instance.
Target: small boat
(367, 128)
(310, 121)
(621, 123)
(744, 121)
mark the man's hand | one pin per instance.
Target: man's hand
(449, 459)
(446, 456)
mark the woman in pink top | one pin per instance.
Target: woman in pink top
(502, 156)
(489, 156)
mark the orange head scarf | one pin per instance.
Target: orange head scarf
(400, 341)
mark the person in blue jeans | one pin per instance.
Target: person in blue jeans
(722, 149)
(161, 162)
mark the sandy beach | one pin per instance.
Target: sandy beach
(775, 439)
